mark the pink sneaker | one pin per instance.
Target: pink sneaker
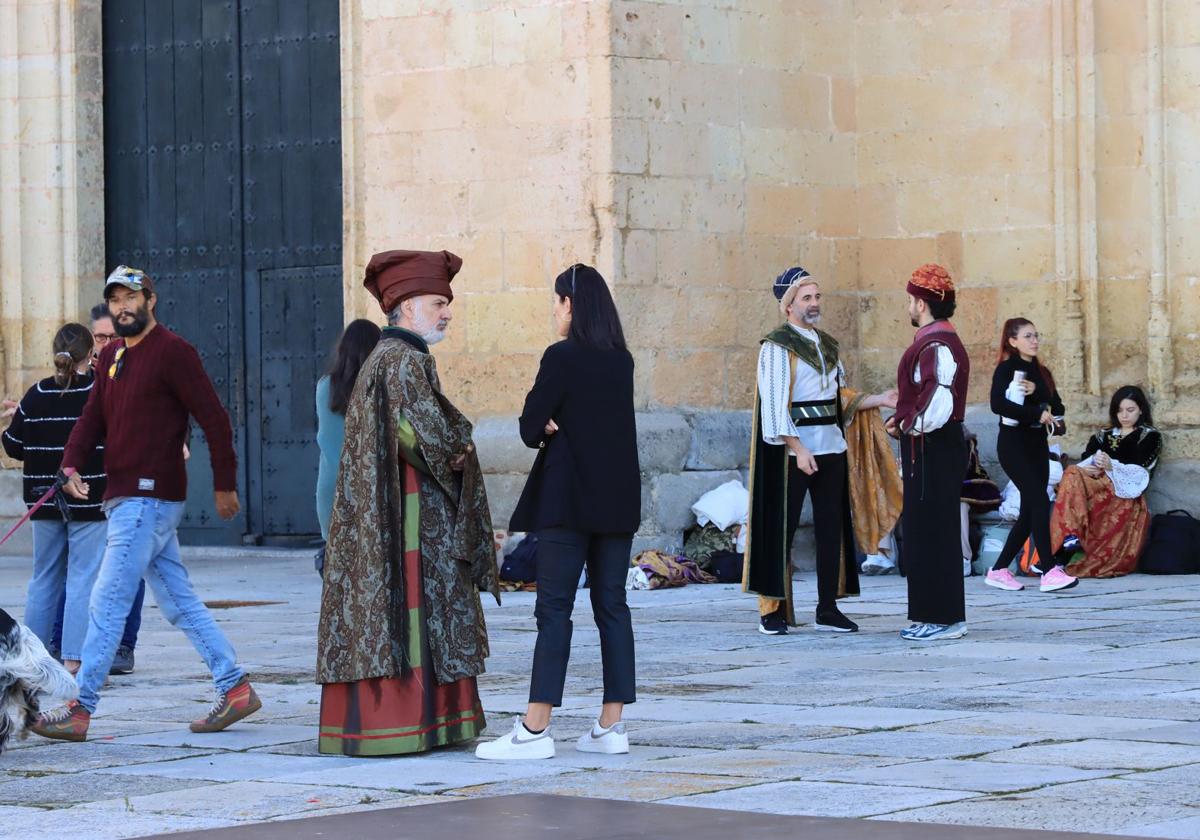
(1057, 579)
(1003, 579)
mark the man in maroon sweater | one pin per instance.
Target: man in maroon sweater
(146, 387)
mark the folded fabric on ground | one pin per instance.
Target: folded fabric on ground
(659, 570)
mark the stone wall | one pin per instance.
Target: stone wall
(1046, 151)
(482, 128)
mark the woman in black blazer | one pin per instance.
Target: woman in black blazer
(583, 500)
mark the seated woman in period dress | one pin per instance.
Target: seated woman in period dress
(1100, 515)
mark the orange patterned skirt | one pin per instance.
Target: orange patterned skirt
(1113, 530)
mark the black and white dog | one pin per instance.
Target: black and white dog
(26, 670)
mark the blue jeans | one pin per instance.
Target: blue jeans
(66, 560)
(133, 622)
(142, 543)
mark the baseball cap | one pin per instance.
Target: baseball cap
(130, 278)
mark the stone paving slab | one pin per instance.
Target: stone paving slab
(1187, 828)
(1176, 733)
(1102, 805)
(1098, 753)
(236, 767)
(431, 774)
(1045, 726)
(702, 734)
(906, 744)
(822, 799)
(238, 737)
(774, 764)
(999, 728)
(62, 790)
(79, 821)
(627, 785)
(245, 801)
(92, 755)
(983, 776)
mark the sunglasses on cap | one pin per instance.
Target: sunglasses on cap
(114, 370)
(132, 277)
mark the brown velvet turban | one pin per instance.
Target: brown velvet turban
(393, 276)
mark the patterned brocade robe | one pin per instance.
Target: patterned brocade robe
(397, 414)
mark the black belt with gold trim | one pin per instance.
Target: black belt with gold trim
(815, 413)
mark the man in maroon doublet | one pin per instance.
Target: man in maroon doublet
(932, 380)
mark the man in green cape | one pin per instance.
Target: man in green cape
(402, 635)
(799, 448)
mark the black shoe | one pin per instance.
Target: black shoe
(773, 625)
(123, 661)
(833, 621)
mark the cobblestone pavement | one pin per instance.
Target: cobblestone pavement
(1074, 712)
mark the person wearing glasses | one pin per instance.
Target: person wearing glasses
(102, 333)
(1030, 410)
(583, 498)
(147, 385)
(102, 329)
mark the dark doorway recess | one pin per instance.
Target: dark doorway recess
(222, 154)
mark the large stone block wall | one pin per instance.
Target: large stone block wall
(733, 159)
(481, 128)
(1046, 151)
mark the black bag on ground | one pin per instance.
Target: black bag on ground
(520, 566)
(726, 567)
(1174, 545)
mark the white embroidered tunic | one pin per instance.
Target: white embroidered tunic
(776, 394)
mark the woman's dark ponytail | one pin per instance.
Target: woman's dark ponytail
(72, 345)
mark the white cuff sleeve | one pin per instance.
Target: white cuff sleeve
(941, 406)
(1129, 480)
(775, 394)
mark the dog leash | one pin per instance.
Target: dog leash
(59, 481)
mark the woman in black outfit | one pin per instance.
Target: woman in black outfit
(583, 500)
(1024, 396)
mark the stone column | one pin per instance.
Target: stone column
(51, 176)
(1161, 373)
(1067, 253)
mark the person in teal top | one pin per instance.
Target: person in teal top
(333, 395)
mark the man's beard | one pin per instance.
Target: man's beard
(811, 317)
(432, 333)
(914, 321)
(141, 320)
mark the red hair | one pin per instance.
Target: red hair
(1010, 330)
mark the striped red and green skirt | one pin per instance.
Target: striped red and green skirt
(408, 714)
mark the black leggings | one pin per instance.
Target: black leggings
(1025, 457)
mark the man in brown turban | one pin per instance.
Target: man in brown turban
(402, 637)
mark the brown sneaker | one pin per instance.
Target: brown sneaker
(66, 723)
(235, 704)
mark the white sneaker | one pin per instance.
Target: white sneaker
(611, 741)
(518, 745)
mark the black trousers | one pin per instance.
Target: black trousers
(934, 466)
(827, 486)
(562, 556)
(1025, 457)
